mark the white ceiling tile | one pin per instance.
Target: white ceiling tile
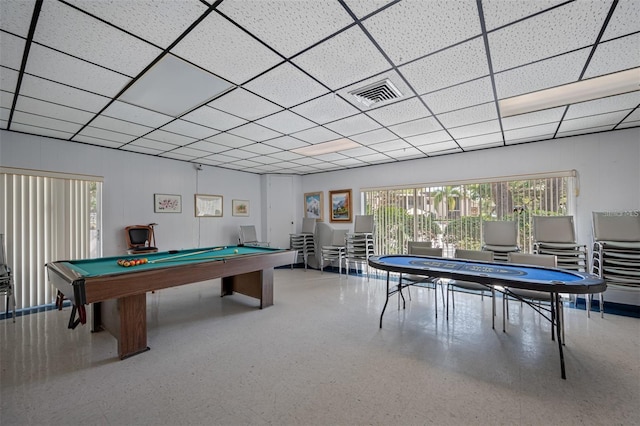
(48, 109)
(94, 132)
(582, 131)
(316, 135)
(220, 158)
(471, 115)
(158, 21)
(288, 26)
(97, 141)
(565, 28)
(552, 115)
(625, 20)
(399, 112)
(211, 117)
(229, 140)
(349, 162)
(191, 152)
(235, 55)
(153, 144)
(634, 116)
(307, 161)
(108, 123)
(168, 137)
(255, 132)
(140, 149)
(353, 125)
(602, 120)
(286, 142)
(186, 128)
(429, 138)
(123, 111)
(348, 57)
(541, 131)
(373, 137)
(209, 147)
(405, 154)
(8, 79)
(628, 123)
(361, 8)
(243, 164)
(175, 156)
(286, 122)
(4, 114)
(607, 57)
(15, 16)
(541, 75)
(530, 139)
(325, 109)
(286, 85)
(45, 122)
(475, 129)
(393, 145)
(45, 90)
(284, 165)
(260, 149)
(464, 95)
(333, 156)
(375, 158)
(396, 80)
(358, 152)
(25, 128)
(12, 50)
(484, 141)
(600, 106)
(408, 29)
(47, 63)
(458, 64)
(210, 161)
(6, 100)
(71, 31)
(415, 127)
(501, 12)
(265, 159)
(286, 156)
(245, 104)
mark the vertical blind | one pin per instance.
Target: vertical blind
(44, 218)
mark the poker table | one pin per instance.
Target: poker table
(118, 293)
(504, 275)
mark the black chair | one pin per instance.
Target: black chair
(140, 239)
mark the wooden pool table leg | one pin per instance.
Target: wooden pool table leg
(258, 284)
(125, 319)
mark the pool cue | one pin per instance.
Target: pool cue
(220, 256)
(171, 258)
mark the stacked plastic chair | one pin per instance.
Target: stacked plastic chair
(556, 235)
(330, 245)
(500, 237)
(359, 243)
(616, 250)
(303, 242)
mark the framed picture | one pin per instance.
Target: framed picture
(208, 205)
(340, 204)
(240, 207)
(167, 203)
(313, 205)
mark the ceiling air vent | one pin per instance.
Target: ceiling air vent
(377, 92)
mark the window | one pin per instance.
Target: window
(450, 215)
(46, 216)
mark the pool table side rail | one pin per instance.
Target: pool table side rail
(587, 283)
(112, 286)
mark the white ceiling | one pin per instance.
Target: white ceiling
(65, 67)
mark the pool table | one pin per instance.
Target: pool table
(551, 280)
(118, 293)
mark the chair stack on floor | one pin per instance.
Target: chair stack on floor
(304, 241)
(330, 244)
(500, 237)
(359, 243)
(556, 236)
(616, 250)
(421, 248)
(6, 280)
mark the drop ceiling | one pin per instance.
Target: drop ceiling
(283, 72)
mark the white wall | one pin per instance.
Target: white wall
(130, 180)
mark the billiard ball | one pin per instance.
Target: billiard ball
(236, 251)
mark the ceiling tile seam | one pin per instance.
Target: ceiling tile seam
(155, 61)
(375, 12)
(626, 116)
(588, 61)
(517, 21)
(485, 38)
(66, 85)
(57, 104)
(52, 118)
(393, 65)
(110, 24)
(25, 56)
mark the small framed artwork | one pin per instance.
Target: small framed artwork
(313, 205)
(240, 207)
(208, 205)
(167, 203)
(340, 204)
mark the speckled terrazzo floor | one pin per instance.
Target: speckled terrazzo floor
(317, 357)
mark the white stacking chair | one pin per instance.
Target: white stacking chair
(500, 237)
(330, 243)
(248, 237)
